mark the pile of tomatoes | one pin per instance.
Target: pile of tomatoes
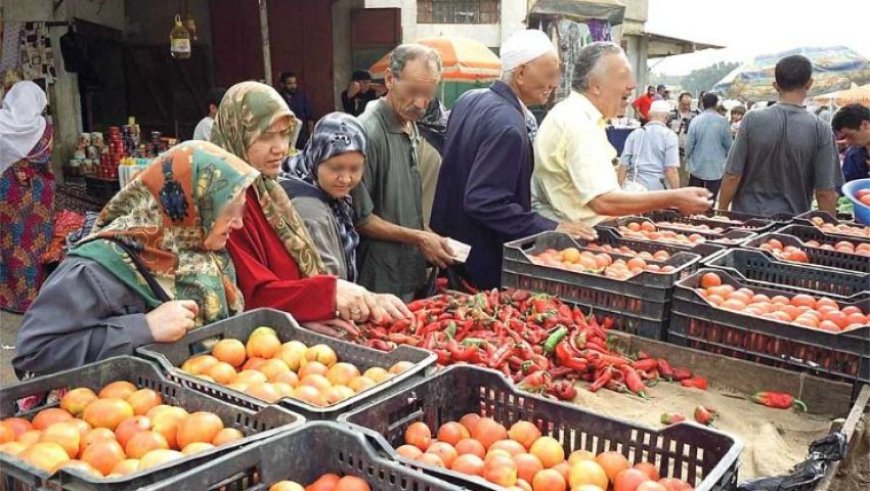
(863, 196)
(840, 228)
(792, 253)
(118, 431)
(804, 310)
(519, 458)
(269, 370)
(648, 231)
(326, 482)
(590, 261)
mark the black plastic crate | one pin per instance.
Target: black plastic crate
(703, 457)
(639, 304)
(256, 425)
(818, 257)
(728, 221)
(809, 232)
(728, 238)
(757, 268)
(303, 455)
(699, 325)
(200, 341)
(807, 219)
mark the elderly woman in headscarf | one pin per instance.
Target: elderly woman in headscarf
(26, 194)
(319, 181)
(276, 259)
(154, 266)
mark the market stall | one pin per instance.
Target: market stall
(672, 353)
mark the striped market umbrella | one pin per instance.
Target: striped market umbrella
(855, 95)
(463, 60)
(834, 68)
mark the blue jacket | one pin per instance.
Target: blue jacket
(483, 197)
(855, 164)
(708, 145)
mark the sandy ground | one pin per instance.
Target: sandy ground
(774, 439)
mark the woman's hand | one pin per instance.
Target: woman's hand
(336, 328)
(350, 301)
(383, 305)
(170, 321)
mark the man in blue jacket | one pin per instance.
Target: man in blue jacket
(483, 197)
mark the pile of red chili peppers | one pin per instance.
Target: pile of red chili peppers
(533, 339)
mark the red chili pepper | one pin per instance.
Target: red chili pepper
(461, 353)
(696, 382)
(671, 418)
(778, 400)
(501, 355)
(646, 364)
(681, 374)
(564, 391)
(535, 382)
(568, 360)
(633, 381)
(400, 325)
(443, 356)
(464, 330)
(642, 355)
(600, 381)
(705, 415)
(665, 369)
(419, 304)
(559, 372)
(616, 386)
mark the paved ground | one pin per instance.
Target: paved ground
(9, 324)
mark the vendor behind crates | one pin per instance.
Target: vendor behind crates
(203, 128)
(154, 267)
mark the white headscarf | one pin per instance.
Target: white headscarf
(523, 47)
(21, 122)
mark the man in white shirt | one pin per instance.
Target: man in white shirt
(203, 128)
(574, 179)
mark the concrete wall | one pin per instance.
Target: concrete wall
(64, 94)
(513, 15)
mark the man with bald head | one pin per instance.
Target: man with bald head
(574, 178)
(483, 196)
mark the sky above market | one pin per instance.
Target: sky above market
(752, 27)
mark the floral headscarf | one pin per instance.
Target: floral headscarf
(335, 134)
(246, 111)
(164, 215)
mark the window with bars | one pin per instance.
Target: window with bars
(458, 11)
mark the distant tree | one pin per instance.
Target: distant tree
(696, 80)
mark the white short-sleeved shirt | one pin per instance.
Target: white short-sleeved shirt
(203, 129)
(573, 162)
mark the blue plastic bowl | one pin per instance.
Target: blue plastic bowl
(862, 211)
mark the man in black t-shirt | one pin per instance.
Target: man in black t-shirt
(359, 93)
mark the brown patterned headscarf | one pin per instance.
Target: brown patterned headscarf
(247, 110)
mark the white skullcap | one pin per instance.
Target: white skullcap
(523, 47)
(660, 107)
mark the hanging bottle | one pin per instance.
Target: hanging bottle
(179, 41)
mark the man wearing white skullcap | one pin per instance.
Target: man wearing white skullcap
(483, 197)
(652, 154)
(574, 178)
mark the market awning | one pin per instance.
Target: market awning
(660, 45)
(855, 95)
(609, 10)
(834, 68)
